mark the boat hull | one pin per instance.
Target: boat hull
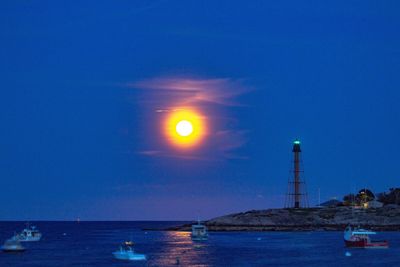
(13, 249)
(129, 256)
(29, 239)
(366, 244)
(199, 238)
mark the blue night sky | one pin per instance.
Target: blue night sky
(86, 86)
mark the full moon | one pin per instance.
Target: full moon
(184, 128)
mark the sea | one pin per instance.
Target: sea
(92, 244)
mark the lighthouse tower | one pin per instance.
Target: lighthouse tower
(297, 195)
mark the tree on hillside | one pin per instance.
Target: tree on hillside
(364, 196)
(391, 197)
(349, 200)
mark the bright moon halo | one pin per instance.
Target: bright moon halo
(185, 127)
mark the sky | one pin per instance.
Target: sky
(87, 86)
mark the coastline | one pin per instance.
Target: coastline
(306, 219)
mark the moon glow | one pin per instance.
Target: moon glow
(185, 128)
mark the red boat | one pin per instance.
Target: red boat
(359, 238)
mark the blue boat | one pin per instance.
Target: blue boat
(13, 245)
(126, 252)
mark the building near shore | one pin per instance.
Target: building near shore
(373, 204)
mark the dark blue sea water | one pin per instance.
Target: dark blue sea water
(91, 244)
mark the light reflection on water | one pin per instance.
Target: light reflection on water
(179, 249)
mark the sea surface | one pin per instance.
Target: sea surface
(91, 244)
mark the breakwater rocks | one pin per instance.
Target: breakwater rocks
(307, 219)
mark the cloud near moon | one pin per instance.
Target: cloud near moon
(194, 91)
(208, 101)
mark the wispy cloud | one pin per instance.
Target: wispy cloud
(168, 154)
(231, 140)
(150, 152)
(189, 91)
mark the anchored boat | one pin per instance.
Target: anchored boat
(360, 238)
(126, 252)
(12, 245)
(199, 232)
(29, 234)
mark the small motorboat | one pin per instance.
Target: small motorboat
(360, 238)
(126, 252)
(12, 245)
(29, 234)
(199, 232)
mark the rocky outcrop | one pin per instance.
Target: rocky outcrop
(310, 219)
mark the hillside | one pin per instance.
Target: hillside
(310, 219)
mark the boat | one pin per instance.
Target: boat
(199, 232)
(12, 245)
(29, 234)
(360, 238)
(126, 252)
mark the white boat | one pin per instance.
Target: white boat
(12, 245)
(29, 234)
(126, 252)
(199, 232)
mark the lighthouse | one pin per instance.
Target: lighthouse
(296, 196)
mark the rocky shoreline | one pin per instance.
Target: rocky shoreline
(386, 218)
